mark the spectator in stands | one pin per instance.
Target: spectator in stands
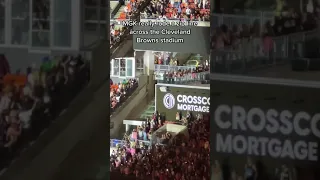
(268, 30)
(255, 29)
(197, 75)
(130, 11)
(28, 101)
(115, 33)
(4, 66)
(309, 22)
(119, 92)
(182, 158)
(190, 10)
(286, 22)
(220, 38)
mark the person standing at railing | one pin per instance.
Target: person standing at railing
(204, 4)
(309, 7)
(309, 22)
(279, 7)
(268, 29)
(160, 60)
(219, 39)
(188, 12)
(268, 46)
(167, 60)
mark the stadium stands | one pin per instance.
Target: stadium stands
(174, 10)
(116, 31)
(280, 24)
(120, 92)
(31, 101)
(188, 10)
(185, 76)
(187, 154)
(285, 24)
(241, 42)
(131, 10)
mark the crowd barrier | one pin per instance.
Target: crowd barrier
(186, 79)
(117, 142)
(234, 19)
(143, 17)
(257, 52)
(169, 68)
(199, 23)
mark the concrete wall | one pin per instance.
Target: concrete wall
(123, 49)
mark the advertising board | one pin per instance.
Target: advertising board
(264, 132)
(171, 99)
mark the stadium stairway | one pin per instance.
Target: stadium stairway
(148, 112)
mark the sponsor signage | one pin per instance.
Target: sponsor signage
(267, 128)
(186, 102)
(264, 124)
(171, 99)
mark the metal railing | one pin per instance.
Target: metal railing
(234, 19)
(201, 77)
(117, 142)
(145, 17)
(256, 52)
(168, 68)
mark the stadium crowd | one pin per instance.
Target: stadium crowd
(197, 75)
(165, 59)
(130, 11)
(198, 10)
(182, 159)
(119, 92)
(115, 34)
(30, 101)
(285, 23)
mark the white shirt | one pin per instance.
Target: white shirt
(118, 98)
(4, 103)
(27, 91)
(25, 117)
(188, 11)
(30, 79)
(310, 8)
